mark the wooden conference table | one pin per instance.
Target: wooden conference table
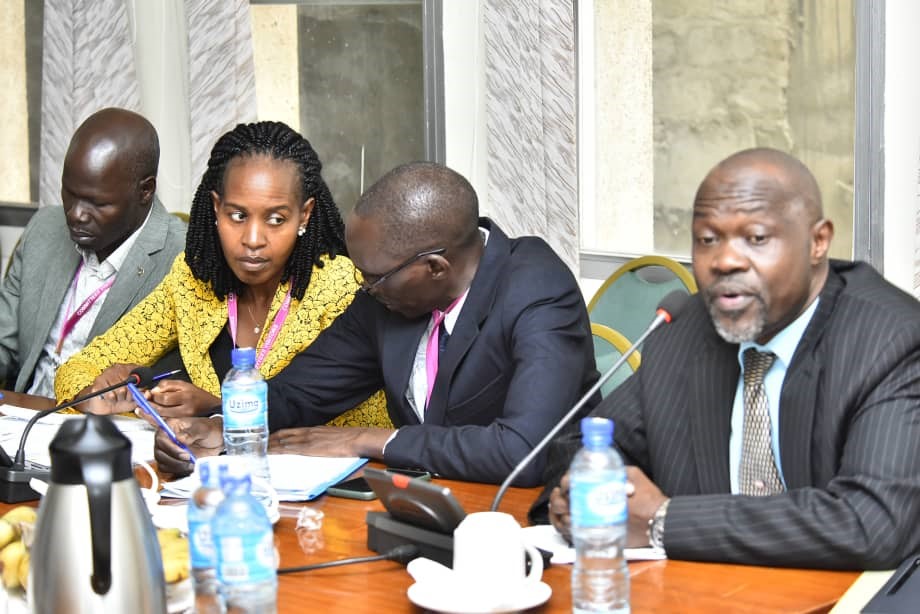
(657, 586)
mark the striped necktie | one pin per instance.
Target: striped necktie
(758, 473)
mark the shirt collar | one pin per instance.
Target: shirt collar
(117, 258)
(450, 319)
(784, 343)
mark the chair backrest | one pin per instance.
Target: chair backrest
(626, 302)
(609, 345)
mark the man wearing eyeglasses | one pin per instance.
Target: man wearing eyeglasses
(480, 342)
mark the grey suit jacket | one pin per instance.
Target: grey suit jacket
(42, 269)
(849, 434)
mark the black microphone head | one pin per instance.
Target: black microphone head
(672, 304)
(143, 377)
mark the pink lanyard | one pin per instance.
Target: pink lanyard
(273, 332)
(71, 320)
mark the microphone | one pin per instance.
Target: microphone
(15, 476)
(668, 309)
(401, 554)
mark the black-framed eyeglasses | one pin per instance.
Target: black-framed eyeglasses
(367, 287)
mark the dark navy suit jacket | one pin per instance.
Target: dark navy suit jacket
(519, 357)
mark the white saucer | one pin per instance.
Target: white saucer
(435, 596)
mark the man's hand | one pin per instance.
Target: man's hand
(179, 399)
(644, 501)
(117, 401)
(559, 509)
(203, 436)
(330, 441)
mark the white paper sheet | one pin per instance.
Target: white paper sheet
(14, 421)
(546, 537)
(295, 477)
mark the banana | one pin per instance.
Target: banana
(24, 570)
(23, 513)
(175, 554)
(10, 557)
(8, 532)
(175, 569)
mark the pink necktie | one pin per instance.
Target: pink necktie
(431, 350)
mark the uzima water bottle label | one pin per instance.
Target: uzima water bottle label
(244, 410)
(598, 502)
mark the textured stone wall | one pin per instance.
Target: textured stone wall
(748, 73)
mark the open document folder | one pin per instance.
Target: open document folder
(295, 477)
(14, 420)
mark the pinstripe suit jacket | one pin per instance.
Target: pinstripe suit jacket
(849, 435)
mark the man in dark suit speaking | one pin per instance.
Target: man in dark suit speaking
(481, 342)
(777, 421)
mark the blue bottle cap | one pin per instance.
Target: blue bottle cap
(243, 357)
(596, 432)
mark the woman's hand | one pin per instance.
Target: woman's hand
(116, 401)
(179, 399)
(203, 436)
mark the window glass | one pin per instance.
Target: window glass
(350, 77)
(680, 85)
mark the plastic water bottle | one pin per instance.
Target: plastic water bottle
(597, 500)
(244, 395)
(245, 546)
(202, 507)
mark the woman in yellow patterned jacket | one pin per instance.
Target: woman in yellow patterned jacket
(264, 267)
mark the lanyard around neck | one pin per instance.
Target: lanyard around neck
(273, 331)
(70, 320)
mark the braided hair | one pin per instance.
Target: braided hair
(325, 233)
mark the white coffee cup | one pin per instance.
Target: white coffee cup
(489, 552)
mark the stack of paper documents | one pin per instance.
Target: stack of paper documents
(295, 477)
(14, 419)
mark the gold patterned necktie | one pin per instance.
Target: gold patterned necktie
(759, 476)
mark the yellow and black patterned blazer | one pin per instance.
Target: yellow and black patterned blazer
(184, 311)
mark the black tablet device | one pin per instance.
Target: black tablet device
(416, 502)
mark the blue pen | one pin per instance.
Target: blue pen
(143, 404)
(157, 378)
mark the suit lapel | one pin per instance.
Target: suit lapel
(56, 283)
(713, 381)
(800, 390)
(475, 309)
(136, 268)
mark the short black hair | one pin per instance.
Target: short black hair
(422, 205)
(325, 233)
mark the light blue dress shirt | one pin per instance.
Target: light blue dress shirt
(783, 345)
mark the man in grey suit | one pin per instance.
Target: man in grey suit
(80, 267)
(818, 463)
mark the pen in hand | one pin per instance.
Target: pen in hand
(148, 408)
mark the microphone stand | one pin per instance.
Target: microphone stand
(661, 317)
(15, 476)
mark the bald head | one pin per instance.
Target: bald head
(769, 175)
(118, 134)
(760, 243)
(420, 205)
